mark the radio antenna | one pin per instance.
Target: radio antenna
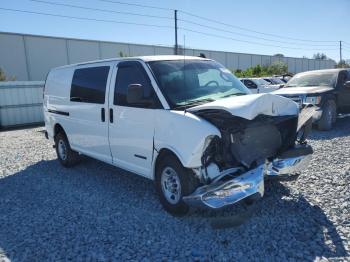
(184, 68)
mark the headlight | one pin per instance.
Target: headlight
(314, 100)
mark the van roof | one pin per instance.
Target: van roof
(141, 58)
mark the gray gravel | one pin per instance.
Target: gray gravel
(95, 212)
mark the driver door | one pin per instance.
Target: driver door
(131, 127)
(344, 92)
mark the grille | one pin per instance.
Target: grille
(297, 99)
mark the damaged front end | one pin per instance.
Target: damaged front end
(234, 165)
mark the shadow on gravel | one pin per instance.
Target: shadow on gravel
(341, 129)
(97, 212)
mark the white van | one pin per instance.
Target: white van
(185, 122)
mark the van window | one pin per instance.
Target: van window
(132, 72)
(89, 85)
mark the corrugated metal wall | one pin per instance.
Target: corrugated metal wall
(28, 57)
(21, 103)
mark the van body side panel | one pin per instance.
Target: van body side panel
(56, 99)
(82, 123)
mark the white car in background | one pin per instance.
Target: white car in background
(274, 81)
(259, 85)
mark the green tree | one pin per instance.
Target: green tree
(276, 68)
(2, 75)
(121, 54)
(320, 56)
(343, 64)
(257, 70)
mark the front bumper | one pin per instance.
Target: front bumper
(227, 192)
(220, 194)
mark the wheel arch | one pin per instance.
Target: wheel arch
(57, 129)
(160, 155)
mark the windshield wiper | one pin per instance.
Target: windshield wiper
(194, 103)
(235, 94)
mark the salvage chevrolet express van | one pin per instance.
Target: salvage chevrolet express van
(185, 122)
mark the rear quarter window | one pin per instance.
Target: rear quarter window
(89, 84)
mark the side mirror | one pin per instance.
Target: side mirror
(347, 84)
(281, 85)
(135, 96)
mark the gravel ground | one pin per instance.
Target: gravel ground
(96, 212)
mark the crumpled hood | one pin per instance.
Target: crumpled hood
(302, 90)
(250, 106)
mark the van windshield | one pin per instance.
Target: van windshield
(187, 83)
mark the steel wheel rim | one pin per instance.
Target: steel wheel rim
(171, 187)
(62, 150)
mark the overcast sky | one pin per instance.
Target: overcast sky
(283, 23)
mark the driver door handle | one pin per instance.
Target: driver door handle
(111, 115)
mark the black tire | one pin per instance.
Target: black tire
(70, 157)
(329, 116)
(188, 184)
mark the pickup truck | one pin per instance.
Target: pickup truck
(328, 90)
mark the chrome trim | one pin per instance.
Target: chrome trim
(222, 193)
(288, 165)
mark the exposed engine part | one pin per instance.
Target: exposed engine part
(255, 144)
(247, 143)
(212, 171)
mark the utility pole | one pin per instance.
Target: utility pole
(340, 54)
(176, 46)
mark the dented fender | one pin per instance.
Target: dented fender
(184, 134)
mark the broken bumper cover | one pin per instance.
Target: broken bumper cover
(220, 194)
(291, 162)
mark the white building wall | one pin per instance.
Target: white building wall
(28, 57)
(109, 50)
(81, 51)
(256, 60)
(232, 61)
(42, 54)
(244, 61)
(12, 56)
(141, 50)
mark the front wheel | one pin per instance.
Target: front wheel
(329, 116)
(173, 182)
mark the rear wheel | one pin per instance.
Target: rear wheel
(329, 116)
(65, 154)
(173, 182)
